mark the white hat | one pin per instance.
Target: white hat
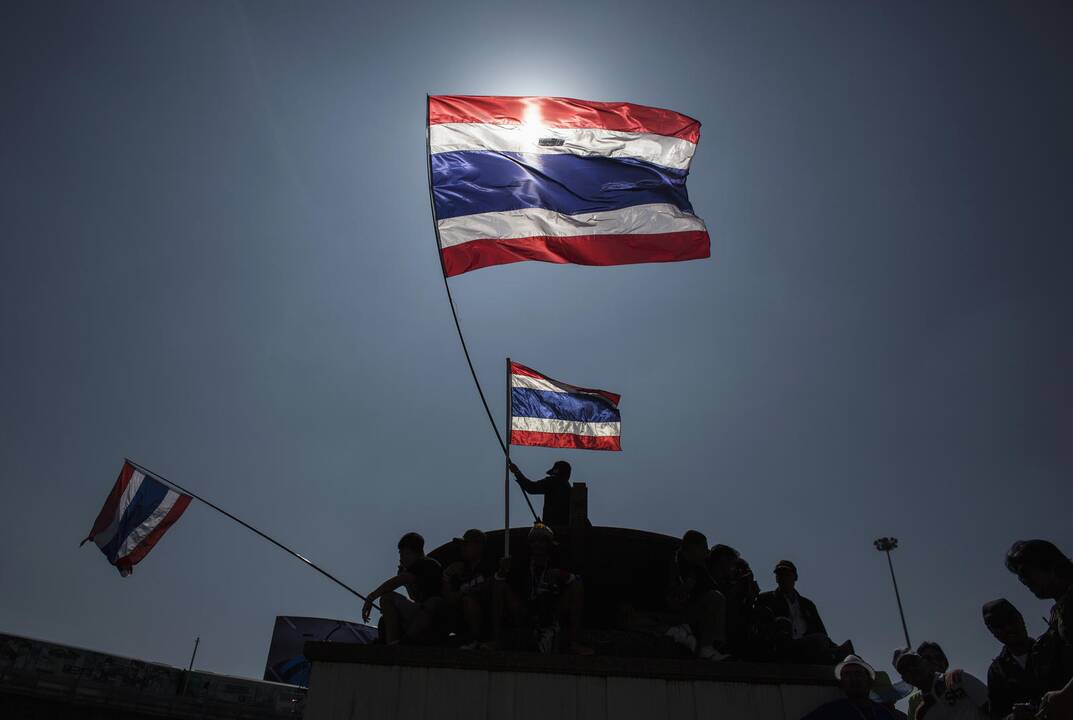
(853, 660)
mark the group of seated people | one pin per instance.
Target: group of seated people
(714, 607)
(1030, 678)
(482, 605)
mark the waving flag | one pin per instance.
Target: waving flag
(562, 181)
(137, 513)
(550, 413)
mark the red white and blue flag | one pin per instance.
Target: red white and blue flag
(561, 180)
(550, 413)
(137, 513)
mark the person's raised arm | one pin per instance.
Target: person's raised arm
(531, 487)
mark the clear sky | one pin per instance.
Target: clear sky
(216, 256)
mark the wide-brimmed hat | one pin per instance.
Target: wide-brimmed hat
(853, 660)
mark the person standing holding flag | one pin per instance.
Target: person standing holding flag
(555, 488)
(546, 412)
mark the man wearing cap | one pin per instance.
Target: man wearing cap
(806, 637)
(1048, 573)
(555, 488)
(855, 678)
(1012, 678)
(954, 696)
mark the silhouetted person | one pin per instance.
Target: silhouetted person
(555, 488)
(1048, 573)
(414, 619)
(540, 597)
(954, 696)
(697, 608)
(933, 654)
(855, 678)
(1012, 678)
(468, 589)
(804, 636)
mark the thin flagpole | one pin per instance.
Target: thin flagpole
(506, 470)
(443, 268)
(246, 525)
(504, 446)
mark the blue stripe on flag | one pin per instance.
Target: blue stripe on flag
(148, 498)
(470, 182)
(561, 406)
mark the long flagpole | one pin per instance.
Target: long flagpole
(443, 268)
(504, 446)
(246, 525)
(506, 470)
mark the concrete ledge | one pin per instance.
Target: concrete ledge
(651, 668)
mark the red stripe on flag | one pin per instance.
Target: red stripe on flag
(579, 250)
(562, 440)
(519, 369)
(107, 513)
(134, 556)
(561, 112)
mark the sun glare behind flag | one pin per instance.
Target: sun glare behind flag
(561, 180)
(550, 413)
(137, 513)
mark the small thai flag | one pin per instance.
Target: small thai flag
(550, 413)
(561, 180)
(137, 513)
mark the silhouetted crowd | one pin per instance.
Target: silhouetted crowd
(715, 611)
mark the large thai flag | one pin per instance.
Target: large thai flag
(551, 413)
(137, 513)
(561, 180)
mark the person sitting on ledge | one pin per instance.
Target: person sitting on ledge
(803, 637)
(697, 608)
(555, 488)
(855, 678)
(468, 589)
(540, 597)
(416, 619)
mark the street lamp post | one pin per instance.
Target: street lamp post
(886, 544)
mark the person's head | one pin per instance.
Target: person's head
(933, 654)
(1005, 622)
(1041, 567)
(694, 547)
(914, 669)
(785, 575)
(541, 540)
(411, 548)
(721, 561)
(560, 470)
(473, 546)
(855, 677)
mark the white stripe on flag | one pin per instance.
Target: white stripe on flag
(533, 383)
(139, 533)
(105, 536)
(538, 222)
(567, 427)
(587, 142)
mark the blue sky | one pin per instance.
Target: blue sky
(217, 258)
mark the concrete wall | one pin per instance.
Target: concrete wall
(353, 690)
